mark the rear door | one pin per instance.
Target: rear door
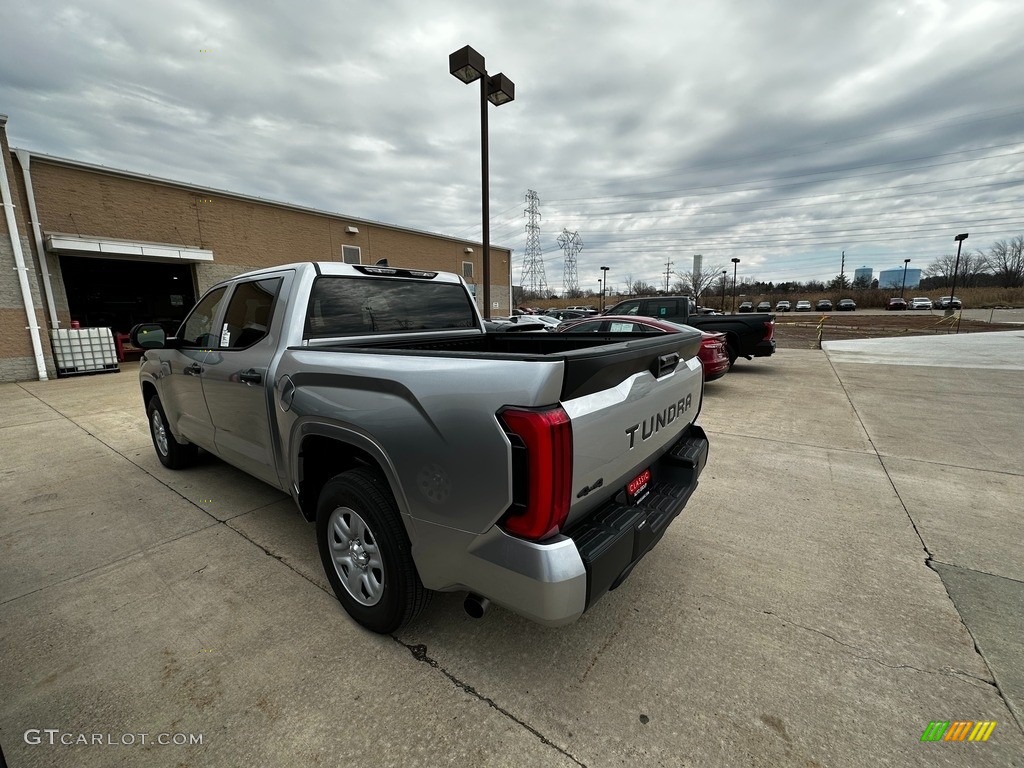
(235, 375)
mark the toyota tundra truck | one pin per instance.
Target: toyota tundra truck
(532, 470)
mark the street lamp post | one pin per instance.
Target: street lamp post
(467, 65)
(735, 261)
(725, 282)
(956, 266)
(600, 295)
(902, 287)
(604, 288)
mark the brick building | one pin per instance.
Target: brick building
(111, 248)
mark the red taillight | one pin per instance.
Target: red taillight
(547, 440)
(769, 330)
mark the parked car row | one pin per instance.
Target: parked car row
(803, 305)
(923, 302)
(849, 305)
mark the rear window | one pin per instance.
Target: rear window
(347, 306)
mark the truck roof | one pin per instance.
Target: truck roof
(339, 269)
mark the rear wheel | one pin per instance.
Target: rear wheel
(733, 352)
(172, 454)
(366, 552)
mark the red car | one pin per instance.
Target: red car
(896, 304)
(713, 353)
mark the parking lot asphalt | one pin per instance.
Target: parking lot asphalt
(849, 570)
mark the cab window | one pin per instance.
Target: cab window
(250, 313)
(197, 330)
(625, 308)
(663, 308)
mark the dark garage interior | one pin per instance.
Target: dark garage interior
(118, 293)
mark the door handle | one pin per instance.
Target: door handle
(193, 370)
(250, 377)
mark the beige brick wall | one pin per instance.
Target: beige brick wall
(242, 234)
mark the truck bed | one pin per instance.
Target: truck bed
(593, 362)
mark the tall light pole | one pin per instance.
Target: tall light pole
(604, 288)
(725, 281)
(902, 287)
(467, 65)
(735, 261)
(600, 295)
(952, 294)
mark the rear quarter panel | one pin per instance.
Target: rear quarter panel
(434, 418)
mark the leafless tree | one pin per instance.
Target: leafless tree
(696, 283)
(1006, 260)
(972, 264)
(642, 288)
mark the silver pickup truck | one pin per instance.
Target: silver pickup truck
(534, 470)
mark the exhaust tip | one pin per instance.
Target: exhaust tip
(476, 606)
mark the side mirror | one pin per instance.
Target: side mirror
(148, 336)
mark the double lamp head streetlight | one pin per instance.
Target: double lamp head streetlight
(467, 65)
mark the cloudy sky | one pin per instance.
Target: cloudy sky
(778, 133)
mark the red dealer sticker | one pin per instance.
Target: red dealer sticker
(637, 488)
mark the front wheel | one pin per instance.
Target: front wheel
(172, 454)
(366, 553)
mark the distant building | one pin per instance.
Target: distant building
(893, 278)
(863, 274)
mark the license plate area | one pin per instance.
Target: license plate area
(639, 487)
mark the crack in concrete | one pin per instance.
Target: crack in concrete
(419, 652)
(948, 671)
(952, 466)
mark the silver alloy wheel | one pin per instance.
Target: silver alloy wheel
(159, 432)
(355, 555)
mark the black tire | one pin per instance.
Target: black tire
(733, 353)
(356, 509)
(172, 454)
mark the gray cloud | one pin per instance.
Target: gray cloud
(781, 134)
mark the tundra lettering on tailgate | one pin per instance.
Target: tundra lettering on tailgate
(652, 425)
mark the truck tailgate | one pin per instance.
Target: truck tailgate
(624, 416)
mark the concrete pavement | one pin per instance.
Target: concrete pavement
(798, 613)
(946, 416)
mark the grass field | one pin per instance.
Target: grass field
(801, 331)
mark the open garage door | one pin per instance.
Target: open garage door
(118, 293)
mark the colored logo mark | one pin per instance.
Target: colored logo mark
(958, 730)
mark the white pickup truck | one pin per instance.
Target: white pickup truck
(532, 470)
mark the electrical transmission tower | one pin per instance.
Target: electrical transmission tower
(571, 244)
(533, 262)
